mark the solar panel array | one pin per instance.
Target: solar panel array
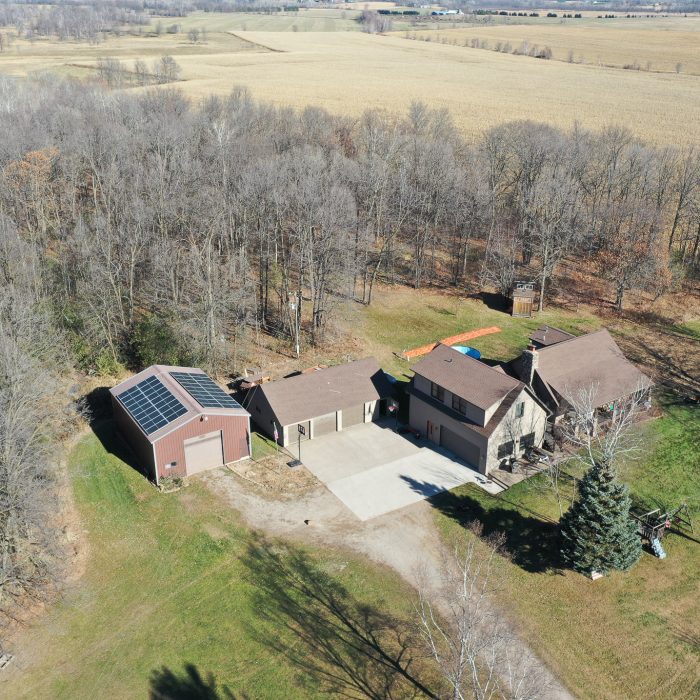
(151, 404)
(204, 391)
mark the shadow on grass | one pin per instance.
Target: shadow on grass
(189, 685)
(348, 647)
(531, 542)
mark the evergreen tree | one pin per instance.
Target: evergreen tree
(597, 532)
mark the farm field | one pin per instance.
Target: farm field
(350, 71)
(171, 581)
(654, 45)
(601, 637)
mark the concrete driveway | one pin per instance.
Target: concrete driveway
(374, 470)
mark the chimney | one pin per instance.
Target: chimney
(528, 364)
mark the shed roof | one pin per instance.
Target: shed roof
(324, 391)
(591, 360)
(190, 407)
(548, 335)
(470, 379)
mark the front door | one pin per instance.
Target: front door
(432, 431)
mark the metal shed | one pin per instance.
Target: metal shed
(179, 422)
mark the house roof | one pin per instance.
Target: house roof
(548, 335)
(318, 393)
(158, 403)
(589, 360)
(466, 377)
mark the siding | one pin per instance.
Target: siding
(170, 448)
(534, 420)
(135, 440)
(262, 416)
(474, 414)
(420, 413)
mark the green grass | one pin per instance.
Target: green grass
(173, 580)
(401, 318)
(262, 446)
(628, 635)
(690, 328)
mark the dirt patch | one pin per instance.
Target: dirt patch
(271, 477)
(216, 533)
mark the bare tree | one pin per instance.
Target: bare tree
(472, 646)
(612, 440)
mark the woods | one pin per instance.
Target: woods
(207, 221)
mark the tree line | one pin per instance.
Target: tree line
(163, 227)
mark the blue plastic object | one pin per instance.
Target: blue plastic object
(465, 350)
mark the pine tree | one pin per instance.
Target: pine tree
(597, 532)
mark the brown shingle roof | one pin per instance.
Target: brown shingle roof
(590, 360)
(547, 335)
(470, 379)
(315, 394)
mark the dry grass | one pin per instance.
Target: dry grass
(655, 44)
(347, 72)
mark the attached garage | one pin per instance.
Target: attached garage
(324, 425)
(324, 400)
(464, 449)
(179, 422)
(204, 452)
(353, 416)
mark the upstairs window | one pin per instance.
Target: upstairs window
(437, 392)
(520, 410)
(459, 404)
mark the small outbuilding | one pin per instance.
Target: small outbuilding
(179, 422)
(321, 402)
(523, 296)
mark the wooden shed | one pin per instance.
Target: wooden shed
(523, 296)
(178, 421)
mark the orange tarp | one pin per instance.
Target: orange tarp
(452, 340)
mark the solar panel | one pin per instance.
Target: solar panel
(151, 404)
(204, 391)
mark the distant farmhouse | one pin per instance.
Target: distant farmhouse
(477, 412)
(321, 402)
(178, 422)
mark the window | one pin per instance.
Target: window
(520, 410)
(505, 449)
(437, 392)
(459, 404)
(527, 441)
(171, 465)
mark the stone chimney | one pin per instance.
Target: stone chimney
(528, 364)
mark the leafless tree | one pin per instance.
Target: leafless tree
(472, 646)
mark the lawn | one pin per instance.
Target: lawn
(401, 318)
(175, 582)
(630, 635)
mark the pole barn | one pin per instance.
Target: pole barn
(178, 422)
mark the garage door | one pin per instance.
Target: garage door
(353, 416)
(204, 452)
(323, 425)
(464, 449)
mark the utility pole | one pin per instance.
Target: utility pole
(295, 306)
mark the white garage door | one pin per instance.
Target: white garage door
(353, 416)
(204, 452)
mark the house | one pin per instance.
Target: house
(321, 402)
(477, 412)
(559, 372)
(178, 422)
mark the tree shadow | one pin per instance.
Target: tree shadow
(494, 301)
(348, 647)
(165, 684)
(532, 541)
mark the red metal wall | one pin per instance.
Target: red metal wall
(135, 440)
(171, 448)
